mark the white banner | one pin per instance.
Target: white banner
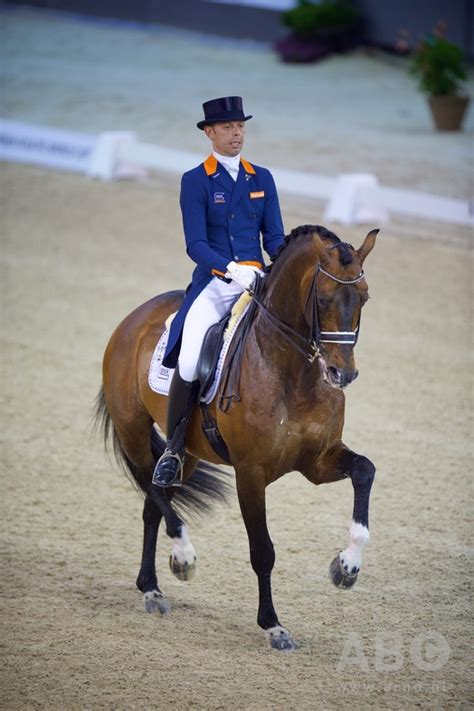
(26, 143)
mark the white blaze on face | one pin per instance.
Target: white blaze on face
(358, 539)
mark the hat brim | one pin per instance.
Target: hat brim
(208, 122)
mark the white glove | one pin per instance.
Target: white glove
(243, 274)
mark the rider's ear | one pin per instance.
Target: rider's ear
(367, 245)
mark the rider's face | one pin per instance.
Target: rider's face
(227, 137)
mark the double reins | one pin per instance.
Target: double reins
(309, 346)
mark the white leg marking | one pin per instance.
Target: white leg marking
(183, 550)
(358, 538)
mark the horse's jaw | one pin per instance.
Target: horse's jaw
(324, 371)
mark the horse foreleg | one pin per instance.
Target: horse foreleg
(339, 463)
(251, 493)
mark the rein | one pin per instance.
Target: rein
(310, 347)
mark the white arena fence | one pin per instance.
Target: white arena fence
(352, 198)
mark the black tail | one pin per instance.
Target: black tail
(207, 484)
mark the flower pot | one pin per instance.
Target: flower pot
(295, 49)
(448, 111)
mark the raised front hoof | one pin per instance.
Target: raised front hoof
(183, 571)
(340, 575)
(155, 601)
(279, 638)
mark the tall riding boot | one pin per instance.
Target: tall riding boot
(181, 400)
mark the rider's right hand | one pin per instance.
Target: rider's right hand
(243, 274)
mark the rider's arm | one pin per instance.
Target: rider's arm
(272, 224)
(193, 201)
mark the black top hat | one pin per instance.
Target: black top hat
(229, 108)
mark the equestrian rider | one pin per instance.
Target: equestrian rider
(226, 202)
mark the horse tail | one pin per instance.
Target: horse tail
(207, 485)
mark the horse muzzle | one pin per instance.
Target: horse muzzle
(338, 377)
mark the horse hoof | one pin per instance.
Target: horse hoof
(340, 575)
(183, 571)
(280, 639)
(155, 601)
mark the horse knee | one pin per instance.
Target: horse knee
(362, 473)
(262, 557)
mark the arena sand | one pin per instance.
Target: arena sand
(79, 255)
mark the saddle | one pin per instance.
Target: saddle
(207, 364)
(209, 355)
(206, 368)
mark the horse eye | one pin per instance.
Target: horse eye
(323, 302)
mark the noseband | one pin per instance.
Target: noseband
(345, 337)
(310, 347)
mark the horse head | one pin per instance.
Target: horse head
(334, 290)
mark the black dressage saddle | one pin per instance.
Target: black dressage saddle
(209, 355)
(207, 365)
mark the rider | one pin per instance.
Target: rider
(226, 203)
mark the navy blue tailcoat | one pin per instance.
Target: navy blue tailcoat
(222, 221)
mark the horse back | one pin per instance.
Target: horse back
(130, 348)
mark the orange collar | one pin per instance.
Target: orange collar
(210, 165)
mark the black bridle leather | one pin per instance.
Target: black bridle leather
(310, 346)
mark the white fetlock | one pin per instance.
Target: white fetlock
(351, 557)
(183, 556)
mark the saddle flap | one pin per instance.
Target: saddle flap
(209, 355)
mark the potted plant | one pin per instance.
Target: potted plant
(440, 67)
(317, 29)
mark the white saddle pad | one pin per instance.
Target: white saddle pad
(159, 377)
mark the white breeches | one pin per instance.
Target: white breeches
(214, 301)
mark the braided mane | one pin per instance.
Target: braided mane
(345, 256)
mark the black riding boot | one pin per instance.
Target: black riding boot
(181, 399)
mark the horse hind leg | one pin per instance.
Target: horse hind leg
(183, 556)
(140, 448)
(147, 582)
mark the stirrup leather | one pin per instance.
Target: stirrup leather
(169, 454)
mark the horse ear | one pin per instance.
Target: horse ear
(367, 245)
(320, 246)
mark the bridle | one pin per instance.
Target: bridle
(310, 346)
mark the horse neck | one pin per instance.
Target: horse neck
(283, 295)
(284, 299)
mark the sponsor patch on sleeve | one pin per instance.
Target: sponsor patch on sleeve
(259, 194)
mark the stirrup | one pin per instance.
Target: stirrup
(178, 479)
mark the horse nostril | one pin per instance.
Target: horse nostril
(335, 373)
(342, 376)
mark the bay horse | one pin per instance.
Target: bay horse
(297, 358)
